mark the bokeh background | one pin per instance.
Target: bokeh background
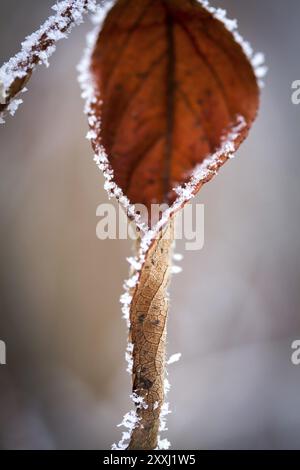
(235, 307)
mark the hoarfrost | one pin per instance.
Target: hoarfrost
(91, 135)
(176, 269)
(125, 298)
(163, 444)
(135, 263)
(258, 59)
(165, 411)
(138, 401)
(174, 358)
(167, 386)
(39, 46)
(177, 257)
(128, 357)
(13, 106)
(130, 420)
(132, 281)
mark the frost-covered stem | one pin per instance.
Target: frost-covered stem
(38, 47)
(148, 319)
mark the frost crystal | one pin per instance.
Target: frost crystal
(13, 106)
(126, 298)
(165, 411)
(91, 135)
(163, 444)
(167, 386)
(132, 281)
(135, 263)
(177, 257)
(129, 421)
(176, 269)
(128, 357)
(139, 401)
(174, 358)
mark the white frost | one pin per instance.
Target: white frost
(23, 62)
(138, 401)
(163, 444)
(130, 420)
(177, 257)
(174, 358)
(176, 269)
(135, 263)
(165, 411)
(13, 106)
(132, 281)
(129, 358)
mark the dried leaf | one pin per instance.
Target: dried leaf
(173, 82)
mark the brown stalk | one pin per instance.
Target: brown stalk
(43, 43)
(148, 316)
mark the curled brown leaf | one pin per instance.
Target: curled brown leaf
(172, 81)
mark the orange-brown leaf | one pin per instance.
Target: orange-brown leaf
(172, 81)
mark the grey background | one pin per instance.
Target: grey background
(235, 307)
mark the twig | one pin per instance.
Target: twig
(148, 320)
(37, 48)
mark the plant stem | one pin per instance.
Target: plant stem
(20, 67)
(148, 317)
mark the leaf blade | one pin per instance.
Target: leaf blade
(170, 94)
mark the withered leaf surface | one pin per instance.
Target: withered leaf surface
(172, 81)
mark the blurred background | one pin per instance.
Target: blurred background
(235, 307)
